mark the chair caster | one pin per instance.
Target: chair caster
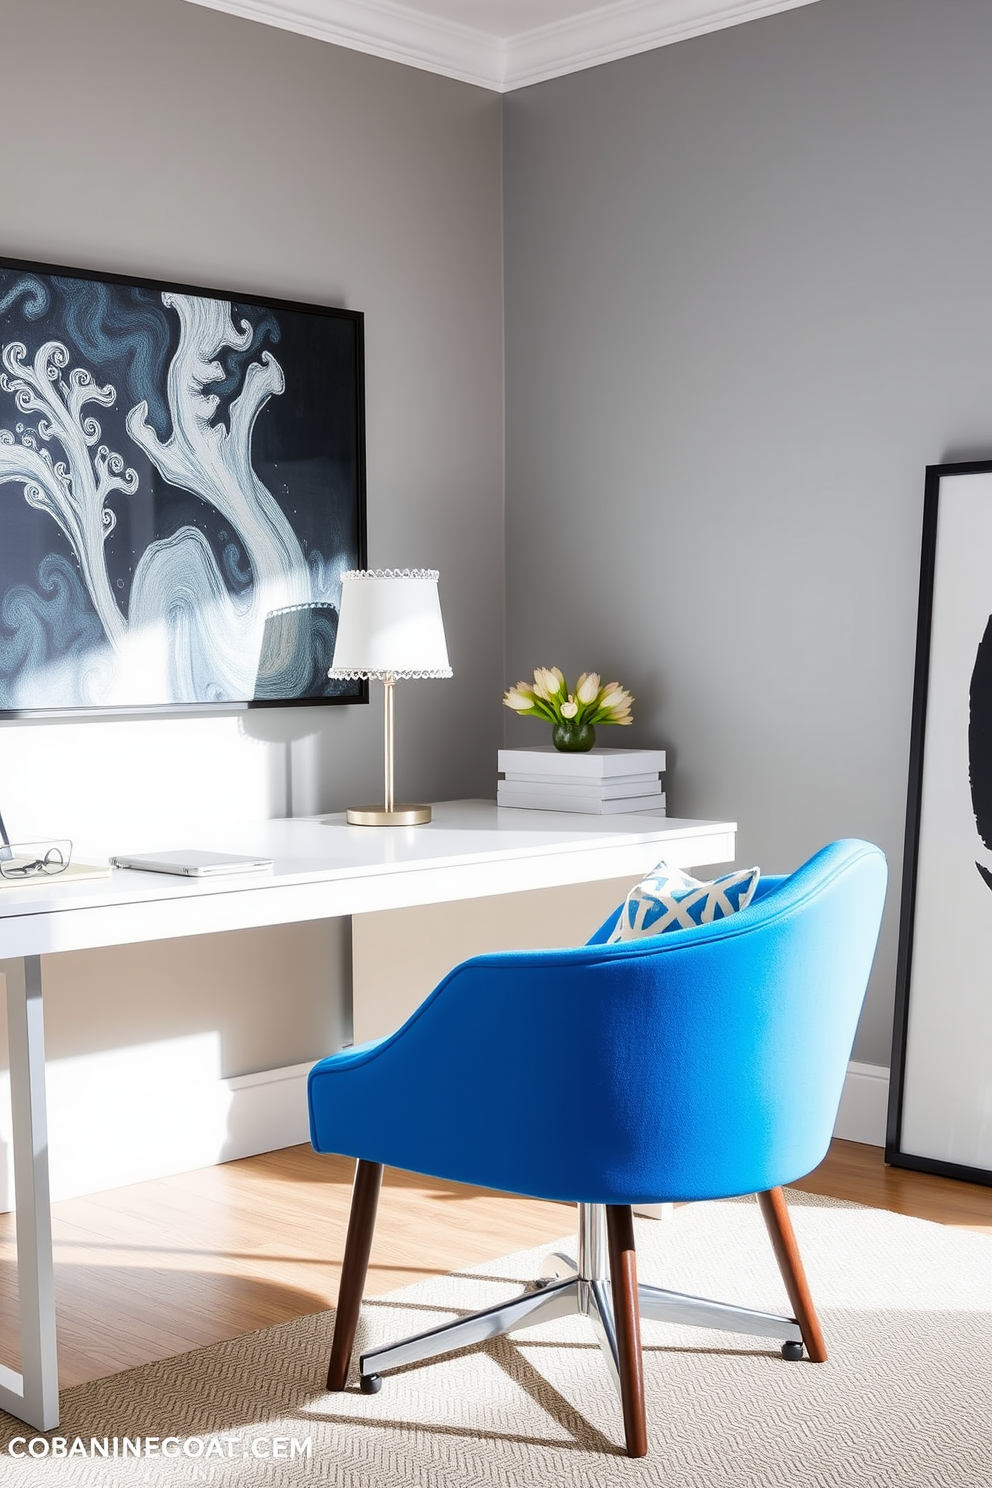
(370, 1384)
(792, 1350)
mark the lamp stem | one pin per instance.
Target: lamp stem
(388, 814)
(389, 684)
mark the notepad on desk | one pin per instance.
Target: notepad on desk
(72, 873)
(192, 863)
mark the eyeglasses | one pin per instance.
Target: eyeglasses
(34, 859)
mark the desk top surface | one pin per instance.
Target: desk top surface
(326, 849)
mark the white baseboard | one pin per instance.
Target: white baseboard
(864, 1104)
(126, 1116)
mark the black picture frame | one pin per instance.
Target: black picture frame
(938, 1090)
(182, 483)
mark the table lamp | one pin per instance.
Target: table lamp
(389, 626)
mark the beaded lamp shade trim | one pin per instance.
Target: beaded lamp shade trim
(392, 573)
(341, 674)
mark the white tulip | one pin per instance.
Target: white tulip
(548, 682)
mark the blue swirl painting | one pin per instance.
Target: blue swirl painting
(181, 488)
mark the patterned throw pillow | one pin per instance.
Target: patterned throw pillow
(668, 899)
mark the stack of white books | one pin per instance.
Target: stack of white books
(601, 782)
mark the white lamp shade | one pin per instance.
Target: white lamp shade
(390, 625)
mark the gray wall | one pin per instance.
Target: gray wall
(749, 299)
(747, 303)
(159, 138)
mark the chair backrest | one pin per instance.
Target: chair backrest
(696, 1064)
(755, 1020)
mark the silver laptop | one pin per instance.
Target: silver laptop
(193, 864)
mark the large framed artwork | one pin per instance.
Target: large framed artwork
(182, 484)
(940, 1113)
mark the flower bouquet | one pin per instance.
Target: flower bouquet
(572, 715)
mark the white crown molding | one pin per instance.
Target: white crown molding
(399, 33)
(622, 29)
(404, 33)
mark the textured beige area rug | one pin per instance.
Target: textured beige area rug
(905, 1400)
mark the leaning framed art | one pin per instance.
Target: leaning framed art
(182, 484)
(940, 1111)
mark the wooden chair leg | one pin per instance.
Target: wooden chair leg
(361, 1223)
(776, 1216)
(623, 1276)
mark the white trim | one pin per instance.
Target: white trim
(384, 29)
(181, 1124)
(864, 1104)
(621, 30)
(404, 33)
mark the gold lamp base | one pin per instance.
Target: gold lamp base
(388, 814)
(395, 816)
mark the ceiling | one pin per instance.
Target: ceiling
(502, 44)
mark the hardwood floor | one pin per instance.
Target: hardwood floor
(854, 1171)
(156, 1268)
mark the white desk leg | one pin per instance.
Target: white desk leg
(33, 1395)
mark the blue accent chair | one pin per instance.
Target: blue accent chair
(698, 1064)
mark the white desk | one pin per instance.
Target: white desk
(323, 868)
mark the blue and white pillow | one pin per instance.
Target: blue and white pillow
(668, 899)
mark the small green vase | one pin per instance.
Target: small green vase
(573, 738)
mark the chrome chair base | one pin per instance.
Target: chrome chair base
(581, 1286)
